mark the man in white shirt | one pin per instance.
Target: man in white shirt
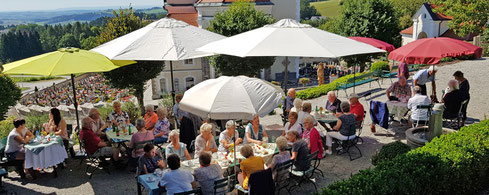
(416, 100)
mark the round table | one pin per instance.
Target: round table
(398, 109)
(324, 119)
(46, 154)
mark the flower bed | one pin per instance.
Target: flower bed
(455, 163)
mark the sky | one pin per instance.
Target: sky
(47, 5)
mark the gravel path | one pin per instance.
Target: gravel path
(73, 180)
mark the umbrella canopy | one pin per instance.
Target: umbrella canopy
(290, 38)
(65, 61)
(226, 97)
(164, 40)
(375, 42)
(432, 50)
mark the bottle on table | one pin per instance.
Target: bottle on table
(130, 131)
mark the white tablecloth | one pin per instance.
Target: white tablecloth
(50, 156)
(398, 109)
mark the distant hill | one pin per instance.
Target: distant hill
(63, 16)
(329, 8)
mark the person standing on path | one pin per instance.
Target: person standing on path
(424, 76)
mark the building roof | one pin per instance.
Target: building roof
(180, 2)
(433, 15)
(190, 18)
(451, 34)
(181, 9)
(408, 31)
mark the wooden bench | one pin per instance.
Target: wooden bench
(365, 78)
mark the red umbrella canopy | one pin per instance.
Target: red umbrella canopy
(432, 50)
(375, 42)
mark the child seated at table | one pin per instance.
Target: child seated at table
(177, 180)
(15, 141)
(150, 161)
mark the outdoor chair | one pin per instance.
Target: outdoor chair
(194, 191)
(225, 184)
(427, 107)
(136, 146)
(359, 127)
(455, 122)
(3, 173)
(305, 176)
(346, 145)
(94, 163)
(282, 175)
(4, 163)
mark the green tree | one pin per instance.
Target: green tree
(68, 40)
(405, 10)
(307, 11)
(133, 76)
(240, 17)
(9, 94)
(370, 18)
(469, 16)
(332, 25)
(88, 43)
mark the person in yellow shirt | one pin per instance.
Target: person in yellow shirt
(251, 164)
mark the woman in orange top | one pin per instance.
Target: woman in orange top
(251, 164)
(150, 118)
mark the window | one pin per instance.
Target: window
(188, 62)
(176, 85)
(189, 82)
(163, 85)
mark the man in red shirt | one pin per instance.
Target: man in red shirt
(356, 107)
(93, 144)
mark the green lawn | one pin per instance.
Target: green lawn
(34, 79)
(329, 8)
(24, 88)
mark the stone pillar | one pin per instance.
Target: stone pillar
(435, 126)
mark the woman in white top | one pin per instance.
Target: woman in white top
(292, 124)
(297, 105)
(226, 137)
(15, 141)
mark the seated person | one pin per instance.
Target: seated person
(333, 103)
(226, 138)
(414, 102)
(452, 100)
(300, 151)
(297, 105)
(57, 125)
(150, 117)
(251, 164)
(399, 91)
(207, 173)
(118, 116)
(292, 124)
(254, 132)
(177, 147)
(311, 137)
(282, 156)
(15, 141)
(140, 136)
(344, 127)
(356, 108)
(162, 126)
(205, 141)
(98, 125)
(176, 180)
(150, 161)
(306, 111)
(94, 145)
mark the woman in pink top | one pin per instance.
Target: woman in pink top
(141, 136)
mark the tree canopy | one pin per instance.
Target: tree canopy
(240, 17)
(469, 16)
(307, 11)
(405, 10)
(9, 94)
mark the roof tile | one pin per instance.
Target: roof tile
(408, 31)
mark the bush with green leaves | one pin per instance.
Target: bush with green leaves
(35, 122)
(6, 126)
(390, 151)
(318, 91)
(380, 65)
(456, 163)
(132, 110)
(9, 94)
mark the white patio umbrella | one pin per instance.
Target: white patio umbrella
(289, 38)
(227, 97)
(164, 40)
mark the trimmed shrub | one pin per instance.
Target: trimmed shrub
(132, 110)
(318, 91)
(6, 126)
(35, 122)
(380, 65)
(455, 163)
(390, 151)
(446, 59)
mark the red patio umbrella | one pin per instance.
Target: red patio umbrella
(375, 42)
(432, 50)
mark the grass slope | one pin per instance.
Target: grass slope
(329, 8)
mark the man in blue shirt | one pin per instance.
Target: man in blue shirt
(289, 101)
(424, 76)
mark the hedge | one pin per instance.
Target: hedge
(318, 91)
(390, 151)
(455, 163)
(380, 65)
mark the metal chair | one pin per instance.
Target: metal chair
(221, 184)
(282, 175)
(359, 127)
(194, 191)
(428, 107)
(94, 163)
(455, 123)
(305, 176)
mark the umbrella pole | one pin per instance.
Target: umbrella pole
(286, 79)
(74, 101)
(354, 78)
(172, 85)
